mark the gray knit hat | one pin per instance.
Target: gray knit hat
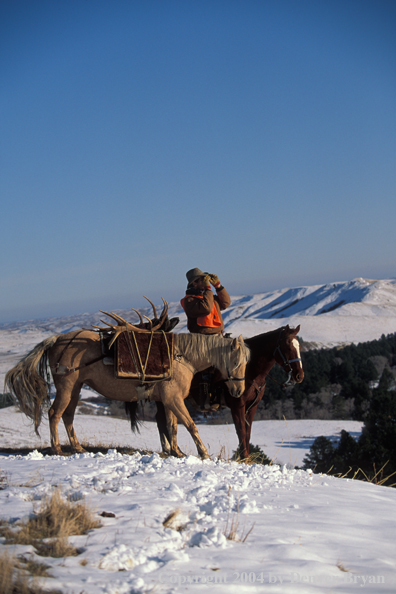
(193, 274)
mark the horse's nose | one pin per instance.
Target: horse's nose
(237, 391)
(299, 377)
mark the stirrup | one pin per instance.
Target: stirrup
(215, 407)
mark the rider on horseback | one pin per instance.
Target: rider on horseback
(203, 311)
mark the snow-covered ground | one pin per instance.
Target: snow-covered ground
(305, 533)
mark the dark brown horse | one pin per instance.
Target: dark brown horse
(278, 346)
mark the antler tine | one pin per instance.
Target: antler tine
(122, 325)
(165, 310)
(162, 317)
(153, 306)
(139, 314)
(108, 324)
(115, 317)
(100, 328)
(117, 332)
(150, 322)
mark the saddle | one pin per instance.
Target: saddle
(144, 356)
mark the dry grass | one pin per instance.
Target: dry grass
(342, 567)
(34, 568)
(53, 523)
(98, 447)
(17, 576)
(378, 477)
(3, 480)
(172, 521)
(232, 529)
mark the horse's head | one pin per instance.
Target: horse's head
(234, 371)
(287, 354)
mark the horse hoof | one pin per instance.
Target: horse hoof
(178, 454)
(57, 452)
(80, 451)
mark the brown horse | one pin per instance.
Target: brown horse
(278, 346)
(76, 359)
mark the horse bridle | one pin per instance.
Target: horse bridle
(233, 378)
(286, 362)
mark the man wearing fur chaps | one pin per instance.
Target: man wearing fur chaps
(203, 310)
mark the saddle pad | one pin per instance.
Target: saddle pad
(144, 356)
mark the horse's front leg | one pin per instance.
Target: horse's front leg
(68, 418)
(248, 425)
(238, 416)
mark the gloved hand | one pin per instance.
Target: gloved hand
(214, 279)
(206, 280)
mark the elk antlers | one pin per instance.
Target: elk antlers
(123, 325)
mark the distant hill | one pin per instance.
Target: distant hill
(329, 315)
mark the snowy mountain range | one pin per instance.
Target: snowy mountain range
(332, 314)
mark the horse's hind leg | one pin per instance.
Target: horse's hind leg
(171, 424)
(68, 417)
(161, 420)
(61, 402)
(177, 406)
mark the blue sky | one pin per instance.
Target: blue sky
(142, 138)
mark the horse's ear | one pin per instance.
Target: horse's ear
(236, 343)
(240, 339)
(296, 330)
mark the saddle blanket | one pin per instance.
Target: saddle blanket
(145, 356)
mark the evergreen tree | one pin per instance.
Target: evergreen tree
(359, 391)
(378, 439)
(320, 455)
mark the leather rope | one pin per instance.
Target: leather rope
(70, 370)
(144, 367)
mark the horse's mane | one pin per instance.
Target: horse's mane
(212, 346)
(265, 336)
(264, 340)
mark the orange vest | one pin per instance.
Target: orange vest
(212, 320)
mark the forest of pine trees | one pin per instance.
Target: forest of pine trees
(373, 455)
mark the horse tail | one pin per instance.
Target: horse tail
(28, 382)
(131, 409)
